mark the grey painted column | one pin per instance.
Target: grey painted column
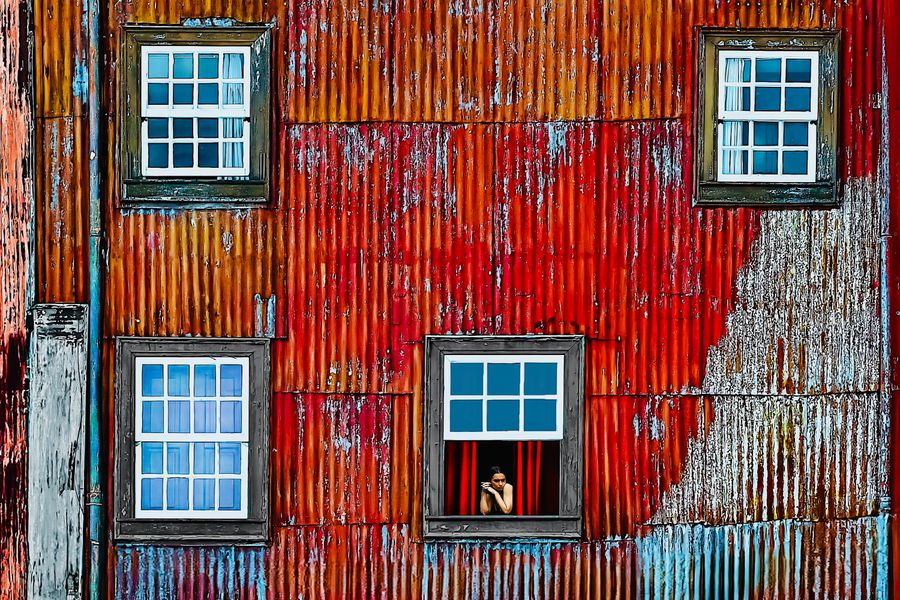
(56, 452)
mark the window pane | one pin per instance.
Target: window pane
(232, 93)
(205, 416)
(157, 128)
(204, 458)
(503, 379)
(151, 417)
(208, 93)
(207, 66)
(183, 66)
(207, 128)
(540, 415)
(158, 156)
(734, 162)
(208, 155)
(182, 128)
(233, 66)
(768, 69)
(182, 155)
(233, 128)
(798, 70)
(229, 494)
(152, 380)
(540, 378)
(503, 415)
(465, 415)
(737, 98)
(231, 417)
(765, 163)
(466, 379)
(179, 380)
(182, 93)
(233, 155)
(205, 380)
(157, 66)
(157, 94)
(230, 377)
(797, 99)
(737, 69)
(177, 493)
(768, 98)
(735, 133)
(179, 416)
(795, 163)
(204, 494)
(796, 134)
(151, 493)
(765, 134)
(152, 458)
(230, 459)
(178, 458)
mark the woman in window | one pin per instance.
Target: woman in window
(496, 494)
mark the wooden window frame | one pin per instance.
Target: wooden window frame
(196, 190)
(712, 192)
(252, 529)
(566, 525)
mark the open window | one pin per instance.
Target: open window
(507, 404)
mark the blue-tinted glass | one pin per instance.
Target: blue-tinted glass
(177, 493)
(745, 75)
(765, 163)
(208, 66)
(229, 494)
(503, 415)
(152, 380)
(207, 128)
(798, 70)
(540, 415)
(208, 93)
(796, 99)
(152, 458)
(204, 458)
(205, 416)
(230, 417)
(183, 66)
(765, 134)
(182, 155)
(157, 66)
(230, 378)
(179, 380)
(734, 162)
(796, 134)
(233, 93)
(151, 493)
(151, 417)
(182, 128)
(540, 378)
(204, 494)
(230, 459)
(178, 458)
(503, 379)
(233, 66)
(157, 128)
(466, 379)
(158, 156)
(795, 163)
(208, 155)
(179, 416)
(768, 69)
(182, 93)
(768, 99)
(157, 94)
(465, 415)
(205, 380)
(745, 98)
(233, 128)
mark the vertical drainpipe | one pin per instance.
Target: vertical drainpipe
(95, 486)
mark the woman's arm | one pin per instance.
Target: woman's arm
(505, 502)
(485, 502)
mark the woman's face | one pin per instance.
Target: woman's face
(498, 481)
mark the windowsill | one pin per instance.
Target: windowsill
(771, 195)
(191, 532)
(503, 527)
(168, 192)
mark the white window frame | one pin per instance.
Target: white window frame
(811, 117)
(521, 434)
(195, 111)
(243, 438)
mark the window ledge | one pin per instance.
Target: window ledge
(177, 191)
(788, 195)
(504, 527)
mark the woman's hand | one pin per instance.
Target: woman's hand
(486, 487)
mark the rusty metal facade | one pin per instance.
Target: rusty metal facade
(493, 167)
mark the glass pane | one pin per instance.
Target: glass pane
(233, 66)
(768, 69)
(177, 493)
(151, 417)
(152, 458)
(182, 155)
(179, 416)
(207, 128)
(151, 494)
(157, 66)
(183, 128)
(157, 128)
(540, 415)
(765, 163)
(233, 155)
(179, 380)
(466, 379)
(233, 128)
(737, 98)
(152, 380)
(204, 458)
(204, 494)
(157, 94)
(503, 379)
(178, 458)
(734, 162)
(798, 70)
(230, 417)
(205, 416)
(230, 459)
(503, 415)
(205, 380)
(157, 156)
(232, 93)
(768, 98)
(229, 494)
(540, 378)
(765, 134)
(735, 133)
(737, 69)
(465, 415)
(796, 134)
(183, 66)
(795, 163)
(208, 155)
(797, 99)
(208, 93)
(230, 377)
(207, 66)
(182, 93)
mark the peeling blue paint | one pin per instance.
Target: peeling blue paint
(80, 80)
(211, 22)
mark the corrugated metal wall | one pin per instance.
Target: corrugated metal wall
(503, 166)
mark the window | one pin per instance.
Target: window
(191, 439)
(767, 118)
(196, 114)
(509, 402)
